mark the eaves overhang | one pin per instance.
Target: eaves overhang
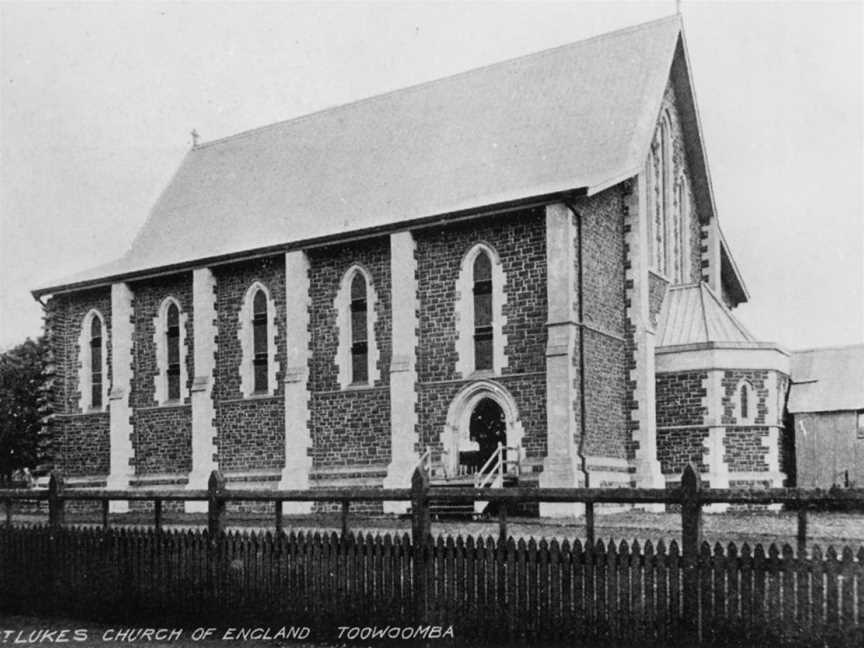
(325, 241)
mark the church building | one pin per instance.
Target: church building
(518, 266)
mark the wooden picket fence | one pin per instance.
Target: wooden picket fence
(490, 590)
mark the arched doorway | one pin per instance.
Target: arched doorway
(482, 415)
(487, 427)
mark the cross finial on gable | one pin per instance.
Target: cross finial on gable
(195, 137)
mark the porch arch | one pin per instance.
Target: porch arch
(456, 435)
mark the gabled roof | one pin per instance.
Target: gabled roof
(827, 380)
(694, 314)
(575, 118)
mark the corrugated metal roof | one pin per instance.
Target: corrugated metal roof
(827, 380)
(578, 116)
(693, 314)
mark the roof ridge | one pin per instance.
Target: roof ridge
(538, 54)
(728, 311)
(704, 311)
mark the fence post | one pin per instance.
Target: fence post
(691, 539)
(346, 505)
(215, 505)
(802, 530)
(420, 532)
(157, 515)
(56, 506)
(215, 521)
(589, 525)
(278, 511)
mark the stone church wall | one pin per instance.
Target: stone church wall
(80, 439)
(519, 241)
(162, 438)
(681, 402)
(251, 431)
(350, 426)
(681, 398)
(607, 388)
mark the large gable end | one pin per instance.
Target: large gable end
(678, 93)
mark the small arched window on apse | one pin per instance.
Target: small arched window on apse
(482, 311)
(745, 403)
(172, 345)
(96, 363)
(259, 343)
(359, 331)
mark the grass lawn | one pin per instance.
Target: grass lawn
(824, 529)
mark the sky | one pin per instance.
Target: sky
(97, 102)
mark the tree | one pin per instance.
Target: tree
(21, 381)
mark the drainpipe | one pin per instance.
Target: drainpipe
(580, 313)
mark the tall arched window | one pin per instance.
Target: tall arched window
(172, 344)
(745, 403)
(682, 228)
(481, 301)
(259, 342)
(665, 197)
(357, 352)
(96, 359)
(359, 331)
(482, 311)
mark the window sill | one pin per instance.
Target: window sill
(359, 387)
(166, 405)
(251, 398)
(259, 394)
(481, 373)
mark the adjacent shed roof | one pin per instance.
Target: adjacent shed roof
(694, 314)
(827, 380)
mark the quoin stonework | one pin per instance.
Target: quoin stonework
(526, 254)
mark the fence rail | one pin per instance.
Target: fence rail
(495, 590)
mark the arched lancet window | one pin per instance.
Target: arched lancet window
(482, 311)
(172, 344)
(745, 403)
(682, 226)
(259, 342)
(96, 377)
(359, 331)
(665, 196)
